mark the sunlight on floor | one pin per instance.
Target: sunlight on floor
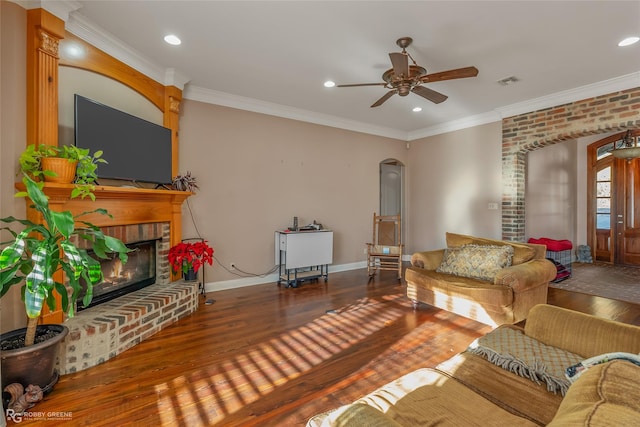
(217, 391)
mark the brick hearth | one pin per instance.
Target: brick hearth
(102, 332)
(106, 330)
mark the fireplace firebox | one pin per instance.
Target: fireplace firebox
(121, 279)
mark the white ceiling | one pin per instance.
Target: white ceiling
(273, 56)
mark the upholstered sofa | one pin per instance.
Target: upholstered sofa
(470, 390)
(491, 281)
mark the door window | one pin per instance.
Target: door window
(603, 199)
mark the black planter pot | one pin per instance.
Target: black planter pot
(34, 364)
(190, 275)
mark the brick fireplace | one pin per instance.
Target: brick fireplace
(150, 243)
(99, 333)
(102, 332)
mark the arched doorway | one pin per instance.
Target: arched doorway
(392, 190)
(613, 210)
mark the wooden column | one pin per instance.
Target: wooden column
(171, 118)
(44, 32)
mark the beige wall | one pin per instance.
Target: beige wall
(452, 178)
(13, 20)
(551, 192)
(98, 88)
(556, 191)
(256, 172)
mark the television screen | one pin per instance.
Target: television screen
(135, 149)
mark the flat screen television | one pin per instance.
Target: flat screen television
(135, 149)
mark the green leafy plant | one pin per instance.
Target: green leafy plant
(85, 179)
(41, 249)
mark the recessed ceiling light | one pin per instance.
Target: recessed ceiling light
(629, 41)
(172, 39)
(329, 83)
(74, 50)
(417, 109)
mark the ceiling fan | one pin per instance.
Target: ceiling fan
(404, 78)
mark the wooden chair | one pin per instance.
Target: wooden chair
(385, 250)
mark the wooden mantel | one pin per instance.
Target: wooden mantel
(125, 205)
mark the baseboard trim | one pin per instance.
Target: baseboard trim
(224, 285)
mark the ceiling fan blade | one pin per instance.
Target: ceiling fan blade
(400, 63)
(459, 73)
(431, 95)
(386, 96)
(363, 84)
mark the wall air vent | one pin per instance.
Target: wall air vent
(508, 81)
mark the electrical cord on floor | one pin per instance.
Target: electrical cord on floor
(237, 271)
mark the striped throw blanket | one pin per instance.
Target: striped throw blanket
(515, 352)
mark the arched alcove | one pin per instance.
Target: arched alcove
(392, 189)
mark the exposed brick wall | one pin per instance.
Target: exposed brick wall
(618, 111)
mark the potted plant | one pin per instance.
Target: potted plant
(186, 182)
(63, 164)
(188, 257)
(31, 260)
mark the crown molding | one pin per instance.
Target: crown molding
(173, 77)
(209, 96)
(62, 9)
(616, 84)
(96, 36)
(453, 125)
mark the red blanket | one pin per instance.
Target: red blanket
(553, 245)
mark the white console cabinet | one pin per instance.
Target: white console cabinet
(303, 255)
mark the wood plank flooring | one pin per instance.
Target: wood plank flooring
(271, 356)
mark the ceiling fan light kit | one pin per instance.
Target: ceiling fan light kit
(628, 148)
(404, 78)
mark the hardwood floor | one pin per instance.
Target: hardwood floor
(271, 356)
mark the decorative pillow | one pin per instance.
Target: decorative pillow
(605, 395)
(521, 252)
(476, 261)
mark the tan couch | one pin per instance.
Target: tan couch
(504, 297)
(468, 390)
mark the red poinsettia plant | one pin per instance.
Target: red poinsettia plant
(190, 255)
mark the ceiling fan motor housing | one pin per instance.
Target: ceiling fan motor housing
(415, 73)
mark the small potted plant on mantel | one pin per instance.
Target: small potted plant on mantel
(32, 260)
(187, 257)
(186, 182)
(62, 164)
